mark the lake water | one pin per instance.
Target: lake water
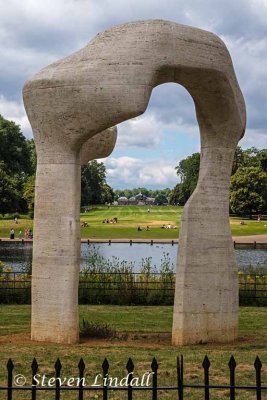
(18, 255)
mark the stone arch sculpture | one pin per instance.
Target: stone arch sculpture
(109, 81)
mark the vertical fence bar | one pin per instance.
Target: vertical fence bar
(34, 368)
(130, 368)
(154, 367)
(81, 367)
(105, 367)
(180, 377)
(206, 366)
(58, 367)
(258, 366)
(10, 367)
(232, 366)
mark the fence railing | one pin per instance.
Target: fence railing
(104, 384)
(127, 288)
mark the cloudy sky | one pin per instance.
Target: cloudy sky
(35, 33)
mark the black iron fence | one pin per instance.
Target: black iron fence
(127, 288)
(104, 384)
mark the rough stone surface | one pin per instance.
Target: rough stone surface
(56, 246)
(107, 82)
(98, 146)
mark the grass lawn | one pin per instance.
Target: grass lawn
(150, 329)
(129, 218)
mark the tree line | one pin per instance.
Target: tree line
(18, 162)
(17, 168)
(248, 188)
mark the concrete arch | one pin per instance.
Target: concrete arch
(109, 81)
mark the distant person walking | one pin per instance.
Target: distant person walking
(12, 233)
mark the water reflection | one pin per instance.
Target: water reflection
(19, 256)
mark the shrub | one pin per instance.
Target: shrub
(97, 330)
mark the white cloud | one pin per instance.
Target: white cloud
(144, 131)
(254, 138)
(134, 172)
(14, 111)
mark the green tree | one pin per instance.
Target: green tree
(14, 149)
(10, 199)
(251, 157)
(187, 170)
(119, 193)
(107, 194)
(28, 192)
(94, 188)
(17, 164)
(161, 198)
(33, 156)
(248, 191)
(177, 195)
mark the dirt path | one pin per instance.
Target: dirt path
(250, 239)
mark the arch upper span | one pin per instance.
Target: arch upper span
(110, 80)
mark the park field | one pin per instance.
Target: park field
(149, 335)
(129, 218)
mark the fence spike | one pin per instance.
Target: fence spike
(81, 365)
(257, 363)
(105, 366)
(258, 366)
(10, 365)
(58, 366)
(232, 363)
(206, 363)
(179, 366)
(154, 365)
(130, 365)
(34, 366)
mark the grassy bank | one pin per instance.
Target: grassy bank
(149, 329)
(129, 218)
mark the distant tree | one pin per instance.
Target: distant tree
(17, 164)
(262, 157)
(177, 195)
(248, 191)
(251, 157)
(14, 149)
(28, 192)
(118, 193)
(33, 156)
(94, 189)
(10, 200)
(187, 170)
(108, 196)
(127, 193)
(161, 198)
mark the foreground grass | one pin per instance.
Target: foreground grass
(129, 218)
(150, 328)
